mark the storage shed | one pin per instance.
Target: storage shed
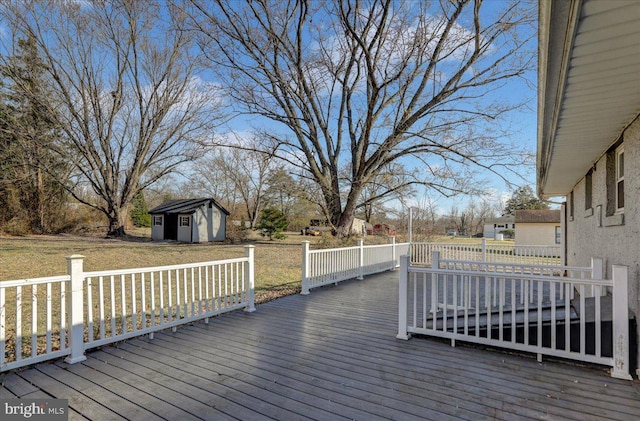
(189, 220)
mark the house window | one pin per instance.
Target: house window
(184, 221)
(588, 191)
(157, 220)
(620, 179)
(558, 234)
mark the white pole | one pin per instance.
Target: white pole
(249, 253)
(403, 298)
(76, 305)
(620, 323)
(305, 267)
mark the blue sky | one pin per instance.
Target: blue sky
(521, 130)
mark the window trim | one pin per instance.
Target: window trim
(184, 221)
(619, 178)
(157, 220)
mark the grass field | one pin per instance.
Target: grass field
(277, 263)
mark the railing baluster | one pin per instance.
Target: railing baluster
(49, 320)
(18, 350)
(89, 310)
(3, 321)
(34, 320)
(101, 306)
(113, 306)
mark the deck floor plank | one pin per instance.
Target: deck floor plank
(446, 361)
(330, 355)
(78, 401)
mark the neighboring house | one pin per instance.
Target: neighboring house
(589, 130)
(497, 225)
(361, 227)
(538, 227)
(189, 220)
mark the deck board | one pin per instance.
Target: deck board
(330, 355)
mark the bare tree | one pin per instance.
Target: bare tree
(241, 173)
(359, 85)
(128, 98)
(390, 184)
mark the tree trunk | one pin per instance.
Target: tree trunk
(116, 217)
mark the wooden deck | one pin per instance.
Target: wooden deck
(330, 355)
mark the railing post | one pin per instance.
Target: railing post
(361, 258)
(597, 272)
(435, 259)
(305, 267)
(75, 306)
(249, 253)
(393, 253)
(484, 249)
(403, 298)
(620, 324)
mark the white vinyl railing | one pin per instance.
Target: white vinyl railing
(532, 255)
(67, 315)
(330, 266)
(547, 314)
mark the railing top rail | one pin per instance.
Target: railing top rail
(488, 245)
(34, 281)
(523, 276)
(320, 251)
(556, 267)
(113, 272)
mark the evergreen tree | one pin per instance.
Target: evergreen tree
(273, 223)
(523, 198)
(140, 212)
(32, 173)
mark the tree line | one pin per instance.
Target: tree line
(348, 105)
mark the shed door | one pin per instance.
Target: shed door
(171, 227)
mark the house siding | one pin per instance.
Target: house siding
(536, 234)
(615, 238)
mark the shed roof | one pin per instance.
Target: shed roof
(508, 219)
(185, 206)
(538, 216)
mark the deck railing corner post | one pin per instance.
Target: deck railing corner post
(249, 253)
(435, 259)
(305, 267)
(361, 259)
(620, 323)
(484, 249)
(75, 306)
(393, 253)
(403, 289)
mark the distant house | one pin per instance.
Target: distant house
(189, 220)
(361, 227)
(538, 227)
(384, 229)
(589, 131)
(498, 225)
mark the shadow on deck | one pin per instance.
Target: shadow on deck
(330, 355)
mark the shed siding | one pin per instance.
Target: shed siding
(615, 238)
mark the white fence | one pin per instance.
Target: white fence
(46, 318)
(538, 255)
(330, 266)
(520, 310)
